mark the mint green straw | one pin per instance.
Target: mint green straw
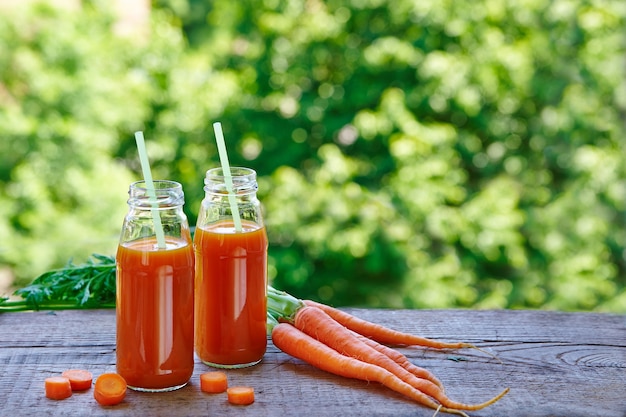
(147, 177)
(228, 178)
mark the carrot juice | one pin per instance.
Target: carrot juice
(155, 313)
(231, 290)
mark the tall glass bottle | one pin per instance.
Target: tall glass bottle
(231, 273)
(155, 285)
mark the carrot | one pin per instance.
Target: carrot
(316, 323)
(110, 389)
(213, 382)
(401, 360)
(296, 343)
(240, 395)
(383, 334)
(57, 388)
(80, 379)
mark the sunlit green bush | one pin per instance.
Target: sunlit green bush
(411, 154)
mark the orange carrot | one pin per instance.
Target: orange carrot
(213, 382)
(58, 388)
(240, 395)
(383, 334)
(110, 389)
(302, 346)
(401, 360)
(316, 323)
(80, 379)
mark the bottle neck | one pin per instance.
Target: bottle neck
(243, 181)
(219, 202)
(167, 195)
(145, 208)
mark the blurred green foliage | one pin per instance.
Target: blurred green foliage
(410, 154)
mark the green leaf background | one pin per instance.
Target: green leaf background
(410, 154)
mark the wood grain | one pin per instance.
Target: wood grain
(556, 364)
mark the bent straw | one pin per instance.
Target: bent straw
(228, 179)
(147, 176)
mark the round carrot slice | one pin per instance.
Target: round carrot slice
(110, 389)
(213, 382)
(80, 379)
(58, 388)
(240, 395)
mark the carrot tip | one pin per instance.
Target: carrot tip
(486, 352)
(494, 399)
(449, 411)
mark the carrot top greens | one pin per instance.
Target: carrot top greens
(86, 286)
(92, 285)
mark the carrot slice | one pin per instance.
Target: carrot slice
(213, 382)
(58, 388)
(80, 379)
(110, 389)
(240, 395)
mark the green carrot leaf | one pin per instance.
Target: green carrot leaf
(91, 285)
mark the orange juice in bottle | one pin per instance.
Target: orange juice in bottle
(231, 274)
(155, 291)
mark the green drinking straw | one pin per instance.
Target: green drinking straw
(228, 178)
(147, 176)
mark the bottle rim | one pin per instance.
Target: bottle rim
(240, 173)
(243, 180)
(168, 194)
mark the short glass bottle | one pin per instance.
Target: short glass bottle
(155, 290)
(231, 273)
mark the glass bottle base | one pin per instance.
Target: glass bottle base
(231, 366)
(174, 388)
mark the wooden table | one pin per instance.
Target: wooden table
(556, 364)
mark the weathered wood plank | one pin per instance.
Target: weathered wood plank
(556, 364)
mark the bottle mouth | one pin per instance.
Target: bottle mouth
(243, 179)
(168, 194)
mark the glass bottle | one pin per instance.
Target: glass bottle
(155, 286)
(231, 273)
